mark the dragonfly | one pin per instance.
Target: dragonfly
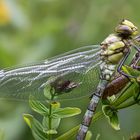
(82, 72)
(115, 49)
(120, 81)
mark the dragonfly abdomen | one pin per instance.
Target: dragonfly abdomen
(91, 110)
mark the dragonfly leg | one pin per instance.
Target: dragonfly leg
(138, 58)
(137, 48)
(136, 66)
(136, 61)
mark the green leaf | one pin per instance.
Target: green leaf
(136, 90)
(65, 112)
(69, 134)
(88, 135)
(130, 71)
(136, 73)
(28, 119)
(114, 121)
(48, 91)
(107, 110)
(36, 127)
(130, 91)
(38, 107)
(111, 115)
(54, 123)
(45, 123)
(136, 81)
(98, 136)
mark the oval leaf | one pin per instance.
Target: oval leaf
(130, 71)
(54, 123)
(98, 136)
(65, 112)
(69, 134)
(114, 121)
(111, 115)
(48, 91)
(28, 119)
(88, 135)
(38, 107)
(36, 127)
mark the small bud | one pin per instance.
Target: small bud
(55, 105)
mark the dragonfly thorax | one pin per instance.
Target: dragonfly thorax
(115, 46)
(112, 49)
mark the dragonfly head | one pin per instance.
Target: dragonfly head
(126, 29)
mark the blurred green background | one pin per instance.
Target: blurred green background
(33, 30)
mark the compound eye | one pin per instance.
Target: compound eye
(124, 30)
(127, 28)
(127, 23)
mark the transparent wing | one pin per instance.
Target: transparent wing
(79, 66)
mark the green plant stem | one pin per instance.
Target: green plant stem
(127, 104)
(50, 121)
(50, 118)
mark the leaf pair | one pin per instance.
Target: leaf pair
(52, 115)
(111, 115)
(111, 106)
